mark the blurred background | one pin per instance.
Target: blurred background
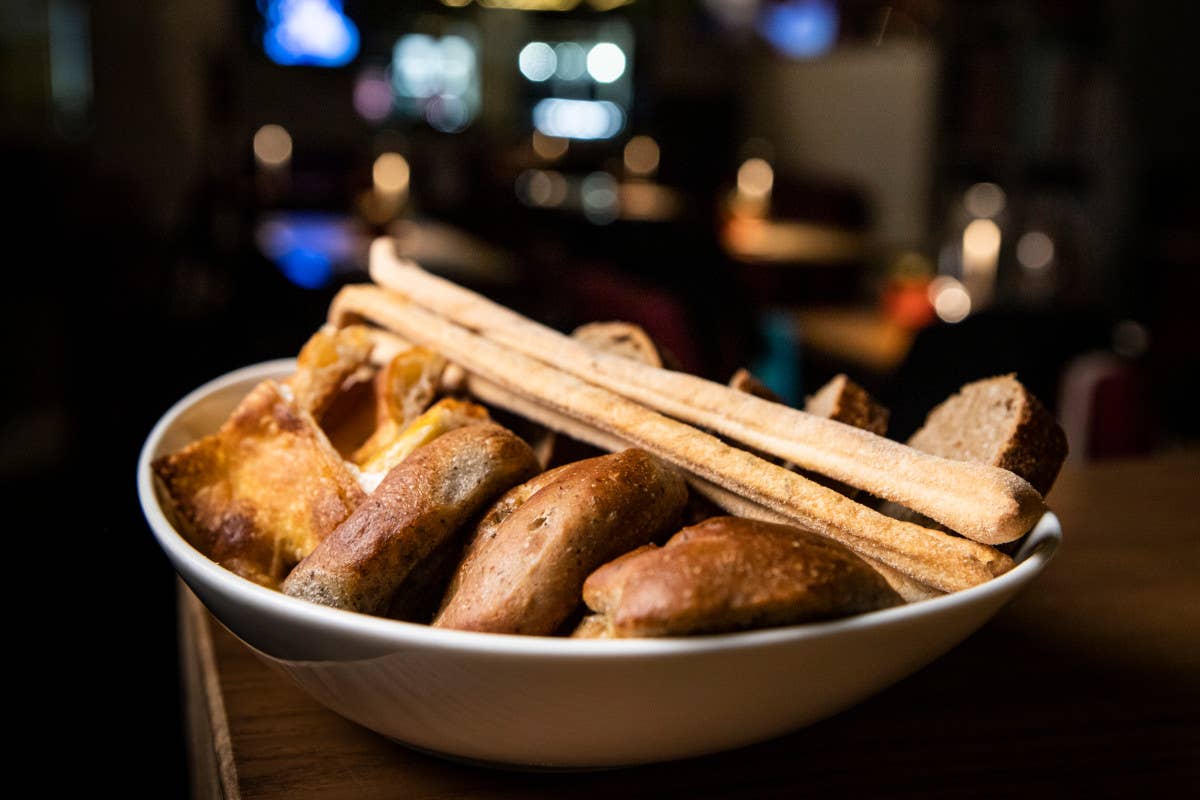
(916, 193)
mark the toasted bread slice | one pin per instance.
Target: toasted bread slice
(626, 339)
(404, 390)
(328, 359)
(845, 401)
(259, 494)
(997, 421)
(443, 416)
(745, 381)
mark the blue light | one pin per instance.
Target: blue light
(800, 28)
(308, 247)
(313, 33)
(306, 268)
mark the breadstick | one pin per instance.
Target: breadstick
(985, 503)
(631, 341)
(388, 342)
(908, 588)
(931, 557)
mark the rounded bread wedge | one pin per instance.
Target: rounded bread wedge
(728, 574)
(421, 502)
(525, 574)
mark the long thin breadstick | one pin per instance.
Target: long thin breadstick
(387, 344)
(982, 502)
(931, 557)
(908, 588)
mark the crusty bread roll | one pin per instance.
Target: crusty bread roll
(418, 506)
(524, 574)
(727, 574)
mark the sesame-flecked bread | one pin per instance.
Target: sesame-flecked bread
(728, 574)
(996, 421)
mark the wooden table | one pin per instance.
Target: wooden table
(1087, 685)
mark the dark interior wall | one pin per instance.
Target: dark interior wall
(153, 67)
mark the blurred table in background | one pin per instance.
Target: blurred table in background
(1088, 684)
(862, 337)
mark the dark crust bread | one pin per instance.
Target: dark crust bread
(843, 400)
(420, 504)
(525, 575)
(728, 574)
(744, 381)
(1022, 436)
(259, 494)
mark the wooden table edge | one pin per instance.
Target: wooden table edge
(210, 747)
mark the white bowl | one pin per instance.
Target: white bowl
(565, 703)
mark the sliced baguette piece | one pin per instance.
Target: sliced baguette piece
(984, 503)
(998, 422)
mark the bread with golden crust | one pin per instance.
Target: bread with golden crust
(404, 388)
(328, 359)
(728, 574)
(259, 494)
(525, 574)
(420, 504)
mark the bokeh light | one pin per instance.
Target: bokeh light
(391, 173)
(272, 146)
(800, 28)
(981, 242)
(605, 62)
(1035, 251)
(950, 299)
(572, 61)
(755, 179)
(600, 198)
(537, 61)
(985, 200)
(373, 95)
(641, 156)
(314, 33)
(550, 148)
(542, 188)
(578, 119)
